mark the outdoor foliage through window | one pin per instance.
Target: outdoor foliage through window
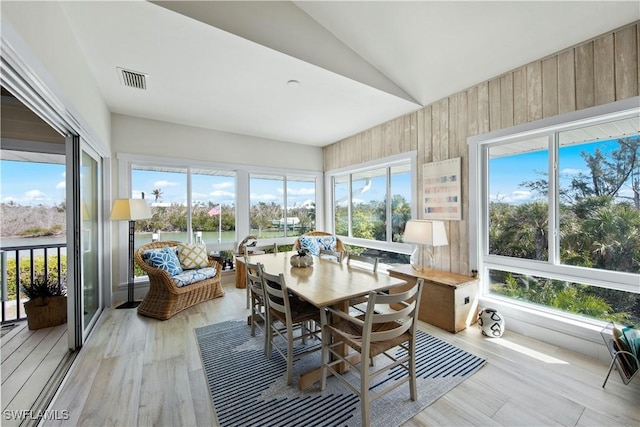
(598, 205)
(373, 204)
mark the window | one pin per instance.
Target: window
(270, 194)
(559, 216)
(206, 211)
(372, 203)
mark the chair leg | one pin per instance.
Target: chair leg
(248, 295)
(324, 359)
(289, 356)
(268, 337)
(253, 319)
(412, 371)
(364, 393)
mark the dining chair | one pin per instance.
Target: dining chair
(259, 312)
(329, 254)
(289, 320)
(370, 335)
(364, 262)
(370, 261)
(249, 249)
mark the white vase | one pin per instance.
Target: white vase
(491, 323)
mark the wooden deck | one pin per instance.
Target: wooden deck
(33, 366)
(140, 371)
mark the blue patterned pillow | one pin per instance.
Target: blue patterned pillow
(165, 259)
(328, 243)
(188, 277)
(310, 243)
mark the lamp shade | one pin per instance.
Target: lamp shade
(130, 210)
(425, 232)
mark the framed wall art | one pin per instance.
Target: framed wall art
(441, 189)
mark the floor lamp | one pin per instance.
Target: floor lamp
(130, 210)
(424, 233)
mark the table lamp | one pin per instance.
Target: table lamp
(130, 210)
(426, 235)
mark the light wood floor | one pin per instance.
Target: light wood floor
(33, 365)
(140, 371)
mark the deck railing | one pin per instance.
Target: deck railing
(23, 272)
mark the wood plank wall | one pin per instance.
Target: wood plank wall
(593, 73)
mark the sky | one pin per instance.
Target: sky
(509, 172)
(41, 183)
(32, 183)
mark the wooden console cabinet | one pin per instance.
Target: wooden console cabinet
(449, 300)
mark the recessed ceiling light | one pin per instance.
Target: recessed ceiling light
(293, 83)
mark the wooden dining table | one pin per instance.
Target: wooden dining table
(325, 283)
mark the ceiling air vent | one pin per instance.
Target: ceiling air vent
(133, 79)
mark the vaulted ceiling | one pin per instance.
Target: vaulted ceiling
(316, 72)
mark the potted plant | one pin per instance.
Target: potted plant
(47, 305)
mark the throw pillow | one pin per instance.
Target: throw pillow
(309, 243)
(165, 259)
(192, 256)
(328, 243)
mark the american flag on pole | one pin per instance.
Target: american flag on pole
(214, 211)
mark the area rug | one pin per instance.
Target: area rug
(249, 389)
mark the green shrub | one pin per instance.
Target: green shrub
(38, 271)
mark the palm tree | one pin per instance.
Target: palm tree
(157, 193)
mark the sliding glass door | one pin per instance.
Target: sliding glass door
(84, 237)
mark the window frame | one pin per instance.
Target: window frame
(286, 176)
(410, 158)
(479, 257)
(242, 173)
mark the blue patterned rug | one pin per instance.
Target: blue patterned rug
(250, 390)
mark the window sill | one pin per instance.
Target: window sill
(582, 336)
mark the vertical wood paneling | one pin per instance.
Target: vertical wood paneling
(428, 135)
(534, 91)
(483, 108)
(626, 63)
(443, 142)
(376, 143)
(495, 119)
(593, 73)
(387, 136)
(603, 73)
(566, 82)
(472, 111)
(520, 96)
(461, 227)
(506, 100)
(550, 87)
(584, 76)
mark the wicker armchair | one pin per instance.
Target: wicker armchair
(339, 245)
(164, 298)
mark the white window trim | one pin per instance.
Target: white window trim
(411, 156)
(242, 172)
(570, 331)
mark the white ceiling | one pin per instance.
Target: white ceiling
(225, 65)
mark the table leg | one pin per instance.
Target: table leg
(309, 378)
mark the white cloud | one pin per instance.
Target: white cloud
(263, 198)
(35, 195)
(309, 191)
(517, 196)
(571, 171)
(222, 185)
(219, 194)
(61, 185)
